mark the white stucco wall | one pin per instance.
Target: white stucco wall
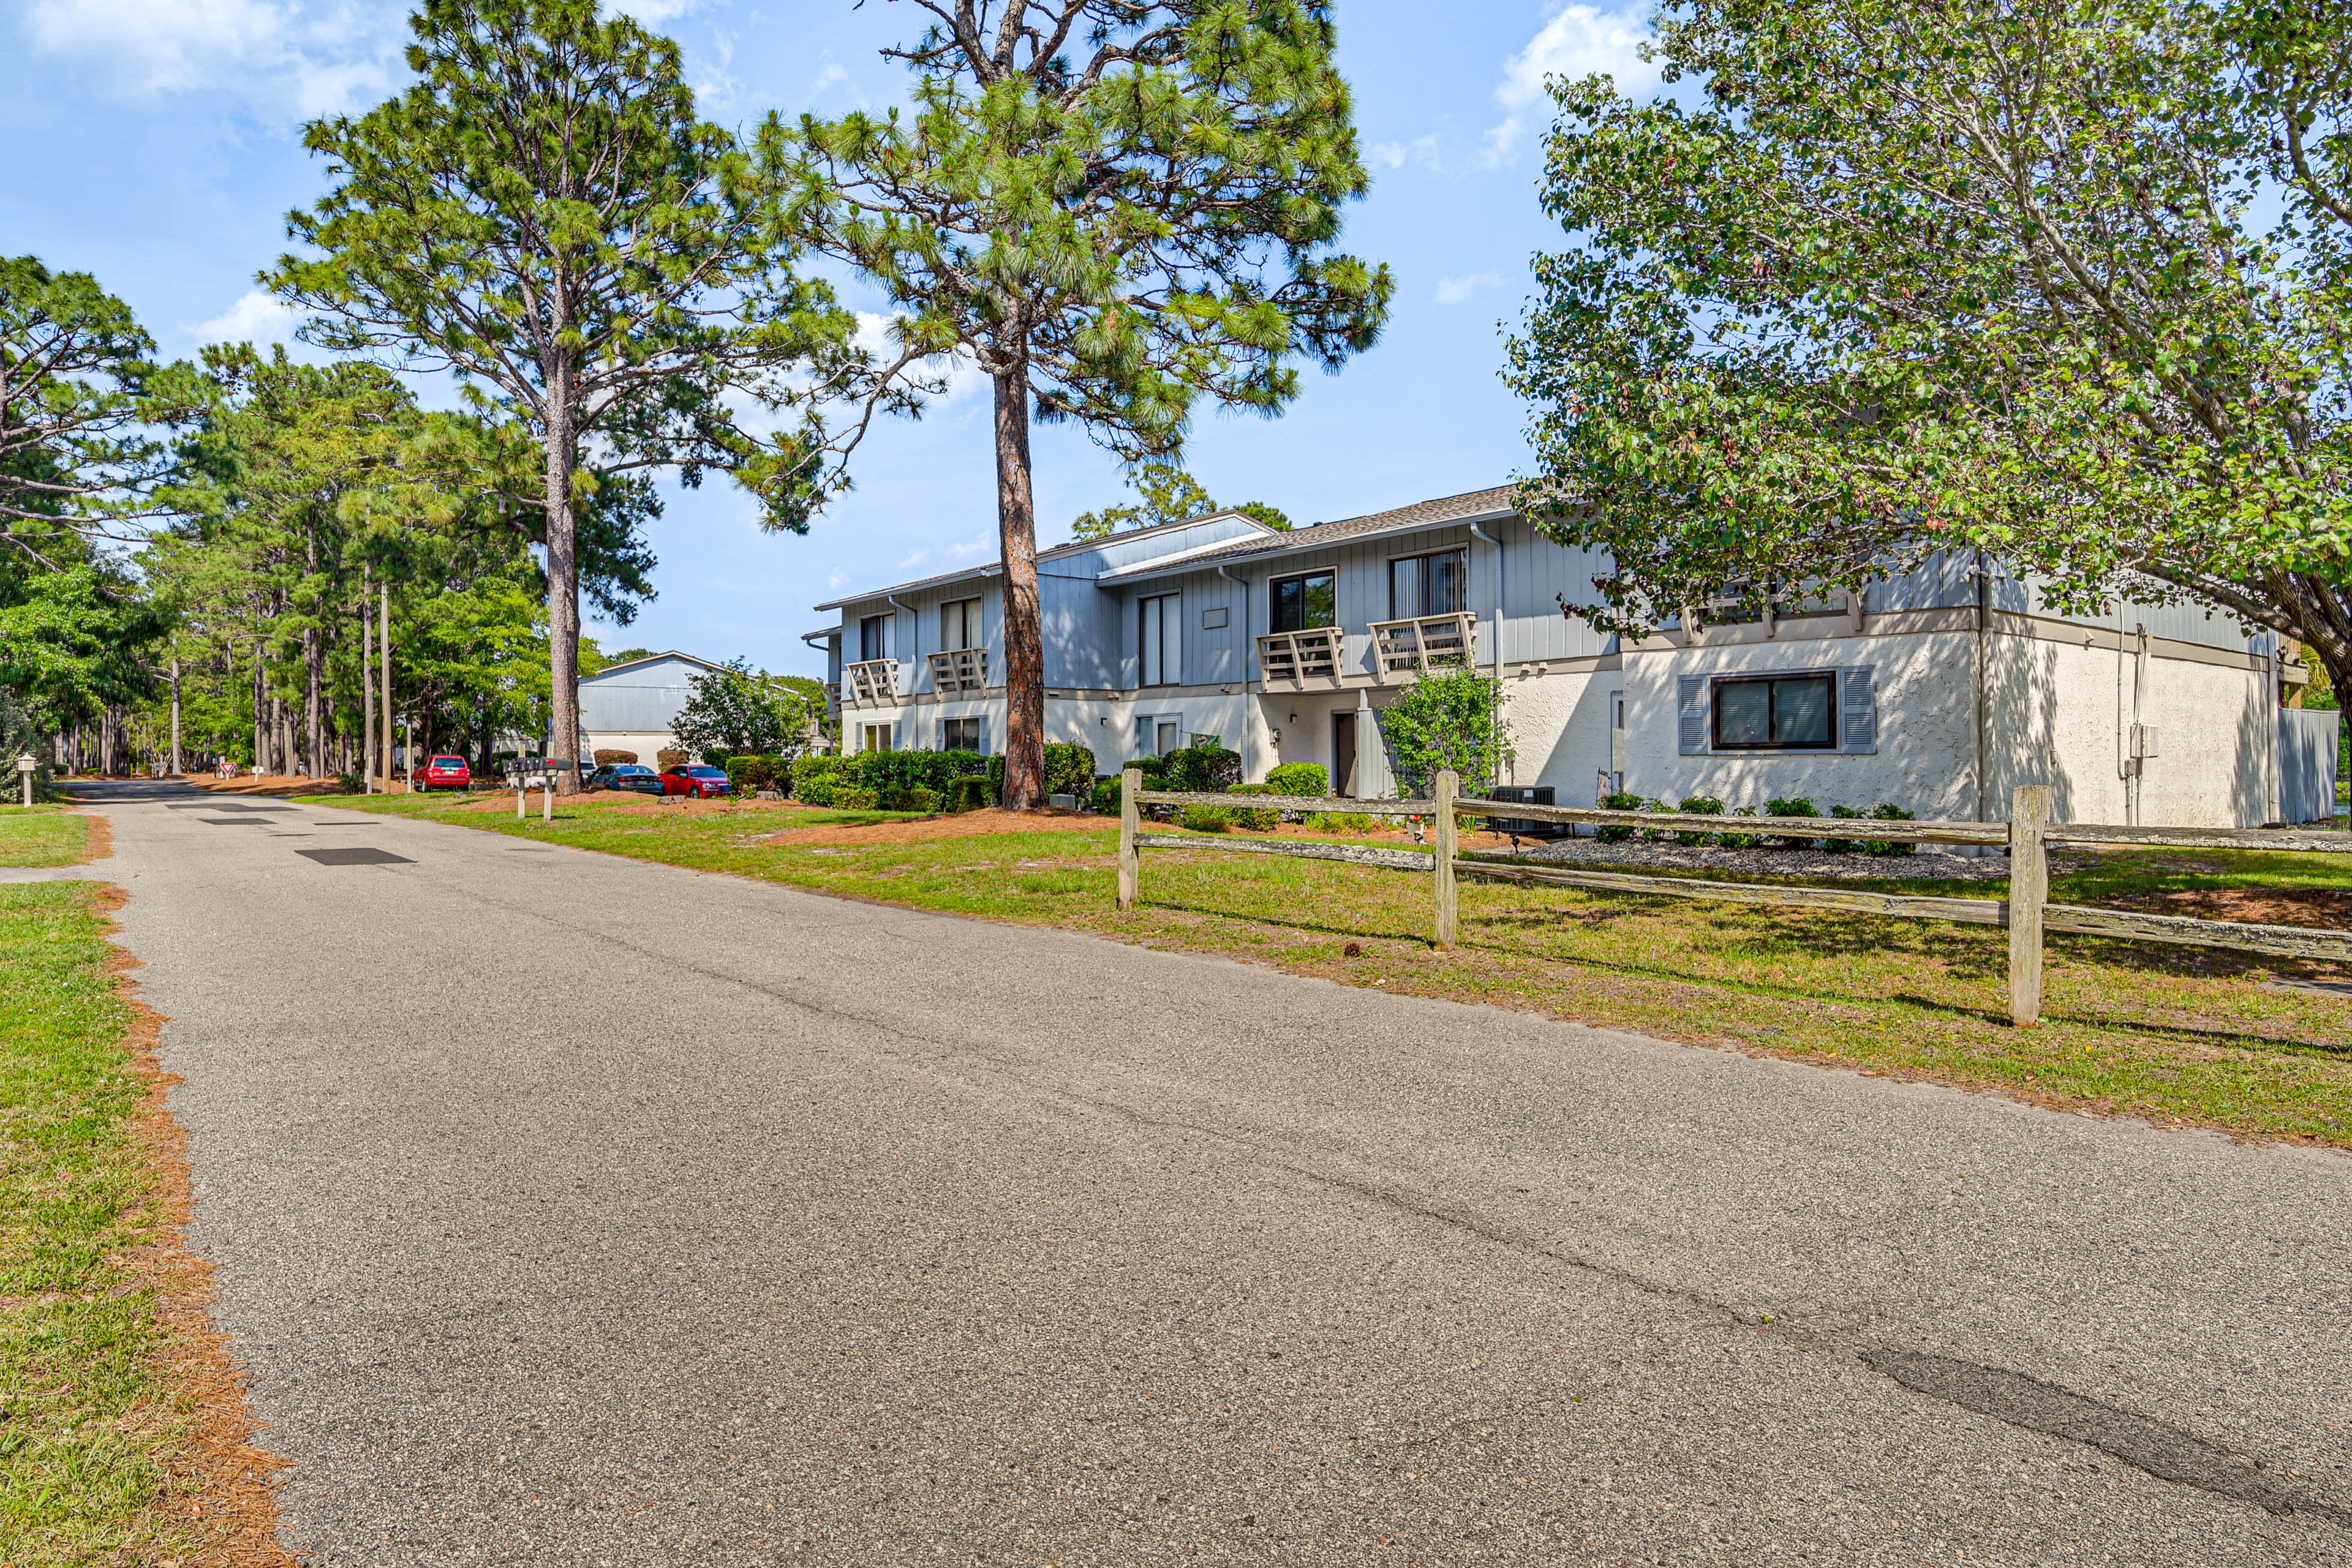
(1558, 726)
(1926, 758)
(2058, 713)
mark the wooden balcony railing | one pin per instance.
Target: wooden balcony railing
(1294, 658)
(872, 684)
(1411, 646)
(959, 669)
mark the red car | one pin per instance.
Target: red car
(444, 773)
(701, 784)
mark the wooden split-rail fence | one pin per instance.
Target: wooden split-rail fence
(2027, 912)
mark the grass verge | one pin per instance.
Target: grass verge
(42, 836)
(122, 1428)
(2176, 1035)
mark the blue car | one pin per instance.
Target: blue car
(632, 776)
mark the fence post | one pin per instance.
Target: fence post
(2029, 890)
(1449, 893)
(1130, 814)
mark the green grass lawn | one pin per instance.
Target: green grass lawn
(85, 1422)
(42, 835)
(2170, 1033)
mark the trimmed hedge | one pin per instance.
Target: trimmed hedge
(817, 779)
(969, 793)
(749, 773)
(607, 758)
(1208, 770)
(1301, 778)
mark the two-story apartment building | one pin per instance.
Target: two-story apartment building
(1937, 691)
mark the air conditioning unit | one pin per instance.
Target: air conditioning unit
(1525, 827)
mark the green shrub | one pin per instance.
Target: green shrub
(969, 793)
(1843, 846)
(851, 798)
(1207, 818)
(1106, 795)
(1301, 778)
(1699, 806)
(927, 801)
(1798, 805)
(1341, 822)
(719, 756)
(749, 773)
(1209, 770)
(1739, 840)
(1257, 819)
(1620, 801)
(1886, 811)
(815, 778)
(1069, 769)
(352, 782)
(1658, 835)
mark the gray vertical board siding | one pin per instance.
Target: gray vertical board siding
(2308, 753)
(1939, 582)
(642, 700)
(1542, 574)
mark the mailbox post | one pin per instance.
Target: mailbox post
(26, 767)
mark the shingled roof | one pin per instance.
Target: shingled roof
(1420, 514)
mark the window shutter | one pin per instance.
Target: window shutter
(1857, 709)
(1693, 715)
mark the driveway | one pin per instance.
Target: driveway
(571, 1210)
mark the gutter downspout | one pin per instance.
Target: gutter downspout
(1494, 717)
(1249, 728)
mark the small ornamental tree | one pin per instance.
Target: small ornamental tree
(1449, 718)
(733, 709)
(543, 214)
(1117, 209)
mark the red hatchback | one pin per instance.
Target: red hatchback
(699, 782)
(444, 773)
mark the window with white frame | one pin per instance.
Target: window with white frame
(878, 737)
(1159, 641)
(873, 639)
(960, 626)
(961, 734)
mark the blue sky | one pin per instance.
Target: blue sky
(158, 145)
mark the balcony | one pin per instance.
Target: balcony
(1410, 646)
(963, 669)
(1294, 658)
(872, 684)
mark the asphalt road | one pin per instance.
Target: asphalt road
(568, 1210)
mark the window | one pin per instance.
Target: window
(960, 625)
(1160, 640)
(1300, 604)
(1794, 712)
(877, 737)
(1158, 736)
(873, 639)
(1427, 585)
(961, 734)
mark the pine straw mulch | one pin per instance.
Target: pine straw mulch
(222, 1489)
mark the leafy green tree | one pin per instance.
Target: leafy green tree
(1169, 495)
(1916, 277)
(543, 214)
(76, 402)
(1448, 719)
(1117, 209)
(736, 709)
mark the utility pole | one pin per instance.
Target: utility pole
(383, 630)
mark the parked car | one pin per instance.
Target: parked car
(444, 773)
(697, 783)
(634, 776)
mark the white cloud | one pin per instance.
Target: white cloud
(653, 13)
(915, 558)
(1454, 290)
(837, 580)
(972, 547)
(1421, 152)
(831, 73)
(1578, 42)
(286, 59)
(257, 317)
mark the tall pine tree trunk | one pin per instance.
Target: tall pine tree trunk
(563, 579)
(1025, 648)
(367, 679)
(314, 732)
